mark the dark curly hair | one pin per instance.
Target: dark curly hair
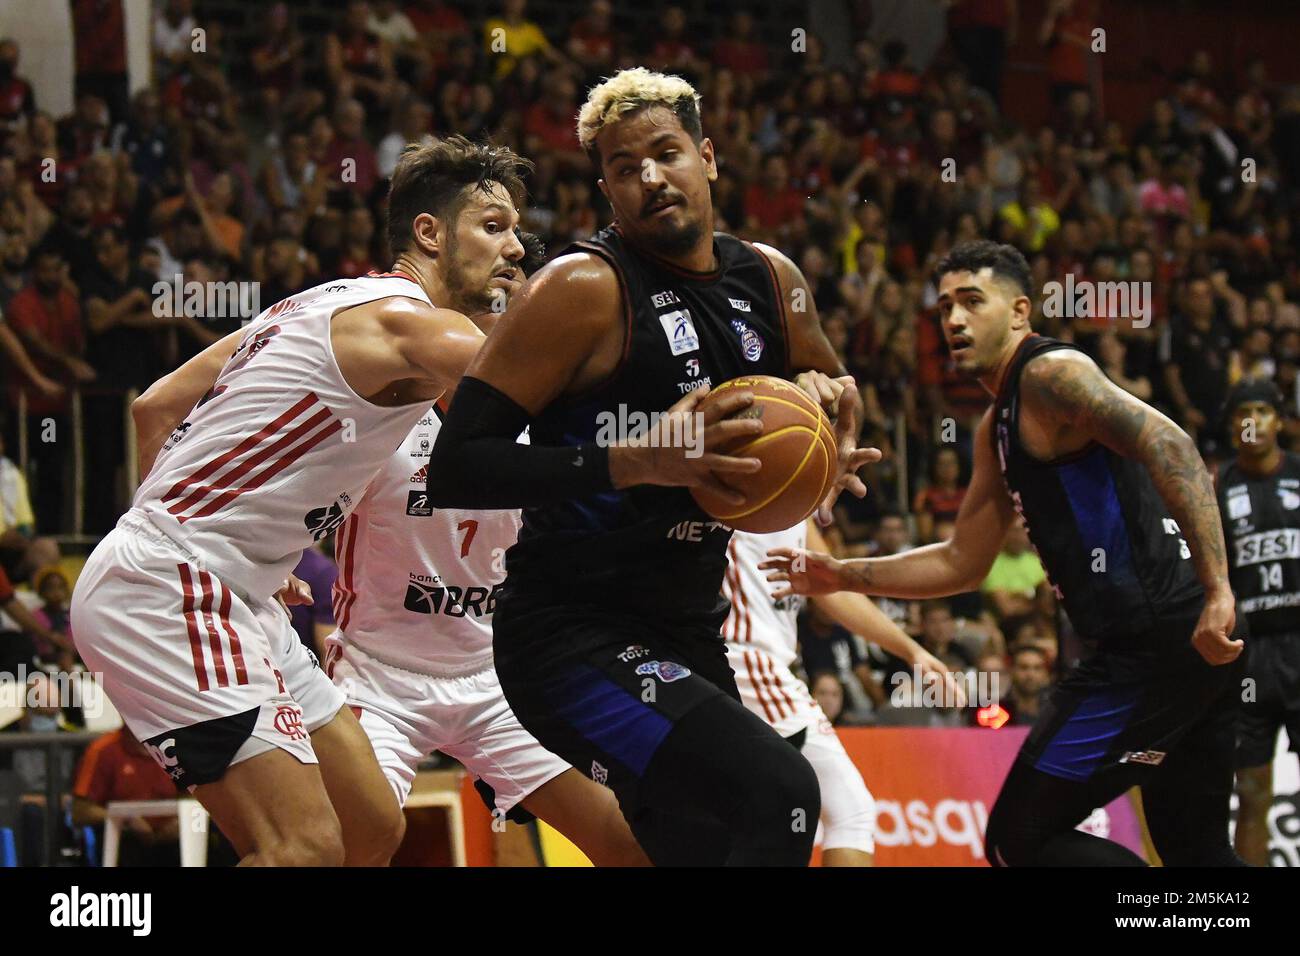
(1006, 261)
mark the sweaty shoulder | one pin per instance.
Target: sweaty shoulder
(582, 287)
(397, 338)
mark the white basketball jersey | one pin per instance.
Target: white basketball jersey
(756, 622)
(281, 449)
(417, 585)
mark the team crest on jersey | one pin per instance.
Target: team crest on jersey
(751, 343)
(421, 447)
(666, 671)
(680, 331)
(321, 521)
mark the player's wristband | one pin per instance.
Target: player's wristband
(477, 461)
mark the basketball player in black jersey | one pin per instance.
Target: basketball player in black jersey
(607, 627)
(1259, 497)
(1122, 513)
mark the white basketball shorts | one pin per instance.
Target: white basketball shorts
(408, 715)
(204, 678)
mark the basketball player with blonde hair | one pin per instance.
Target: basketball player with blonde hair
(606, 631)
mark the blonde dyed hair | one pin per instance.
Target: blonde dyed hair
(630, 90)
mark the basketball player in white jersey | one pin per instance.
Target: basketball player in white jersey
(761, 635)
(413, 653)
(253, 450)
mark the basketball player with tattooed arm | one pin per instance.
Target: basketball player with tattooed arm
(1123, 514)
(606, 631)
(253, 450)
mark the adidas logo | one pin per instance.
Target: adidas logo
(421, 477)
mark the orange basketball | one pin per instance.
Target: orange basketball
(797, 449)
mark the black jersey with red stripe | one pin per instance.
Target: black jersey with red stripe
(650, 548)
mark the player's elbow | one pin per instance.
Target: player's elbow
(146, 408)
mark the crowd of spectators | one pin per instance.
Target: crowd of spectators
(265, 159)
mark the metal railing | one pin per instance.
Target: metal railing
(52, 743)
(77, 535)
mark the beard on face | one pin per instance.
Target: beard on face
(468, 294)
(669, 241)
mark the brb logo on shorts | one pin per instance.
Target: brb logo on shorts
(288, 721)
(666, 671)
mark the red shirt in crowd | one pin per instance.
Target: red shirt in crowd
(100, 30)
(56, 323)
(108, 771)
(595, 44)
(1067, 62)
(940, 503)
(359, 150)
(979, 13)
(16, 99)
(740, 56)
(557, 133)
(773, 209)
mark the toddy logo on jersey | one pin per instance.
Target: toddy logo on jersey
(417, 504)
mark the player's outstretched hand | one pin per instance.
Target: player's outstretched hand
(294, 591)
(852, 458)
(681, 448)
(1213, 637)
(804, 572)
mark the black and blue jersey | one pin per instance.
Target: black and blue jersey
(1116, 559)
(650, 549)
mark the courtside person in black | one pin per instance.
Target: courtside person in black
(606, 631)
(1122, 513)
(1259, 499)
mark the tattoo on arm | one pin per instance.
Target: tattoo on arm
(1073, 392)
